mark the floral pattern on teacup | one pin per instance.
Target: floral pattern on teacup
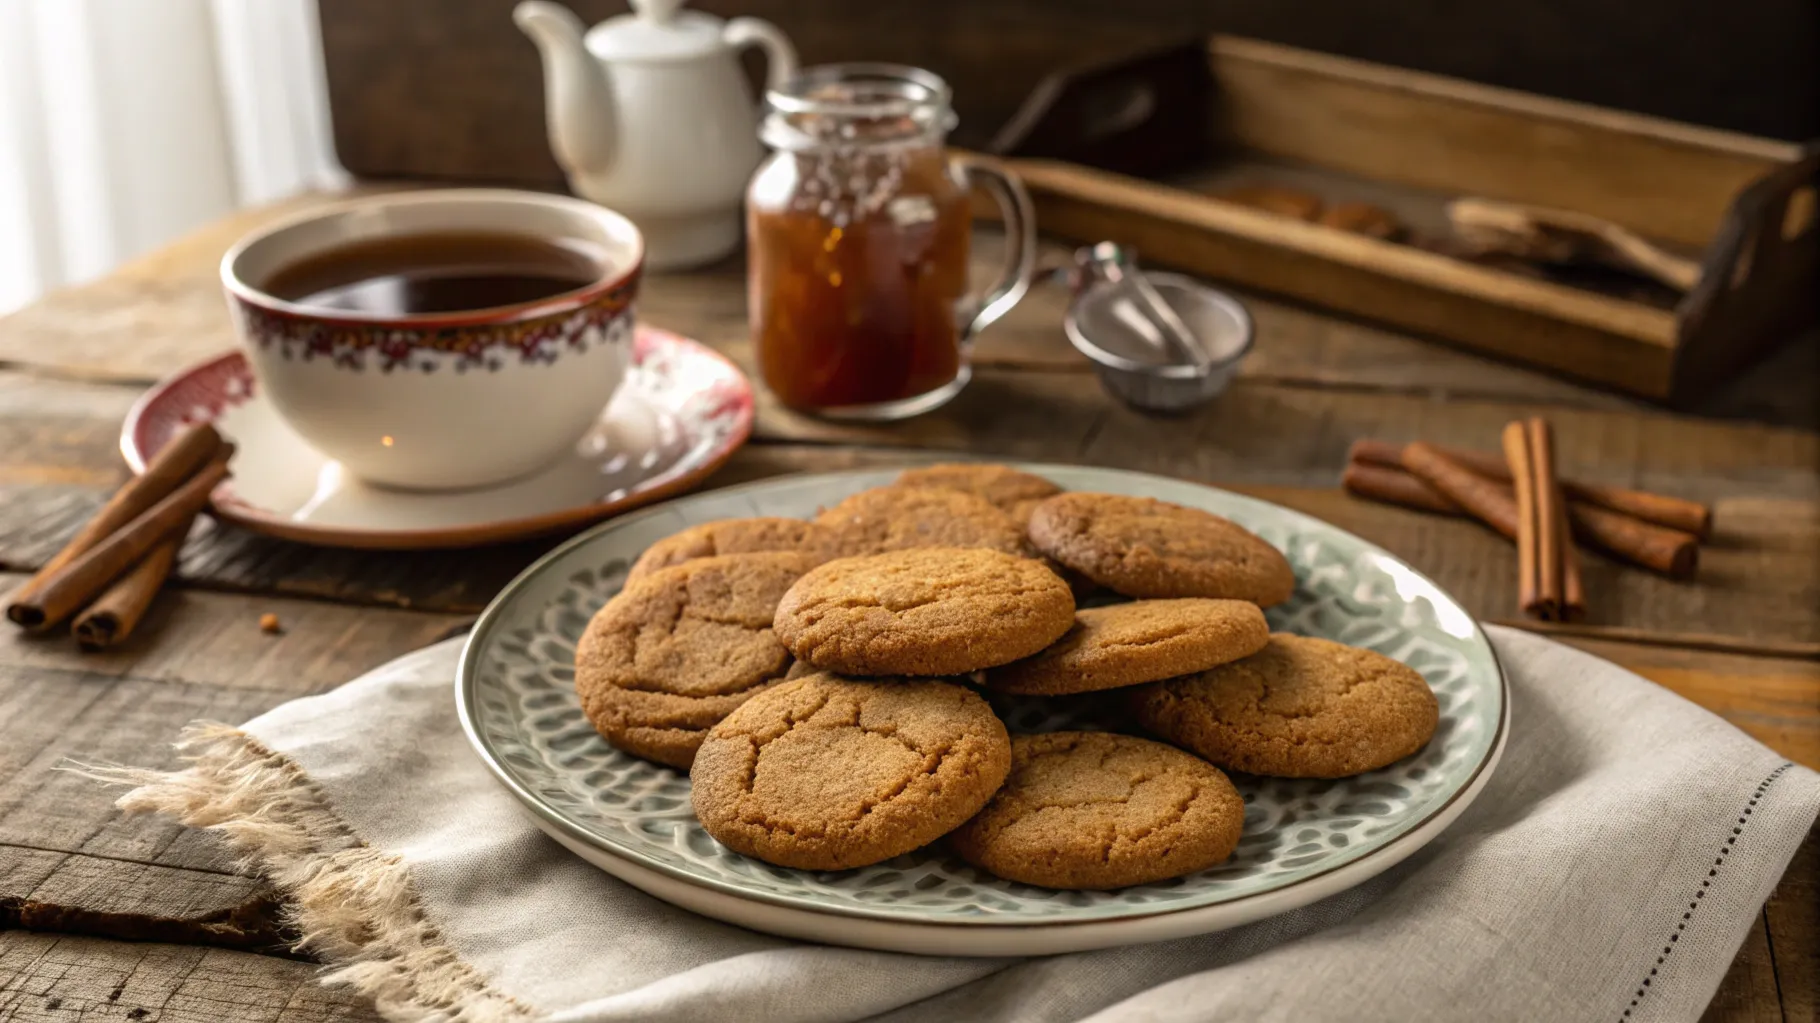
(484, 346)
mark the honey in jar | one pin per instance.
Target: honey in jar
(859, 234)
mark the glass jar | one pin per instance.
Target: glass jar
(859, 228)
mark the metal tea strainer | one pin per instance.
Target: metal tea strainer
(1161, 342)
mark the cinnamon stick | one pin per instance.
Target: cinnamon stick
(1668, 551)
(1561, 582)
(1397, 486)
(114, 615)
(176, 462)
(1573, 588)
(1380, 452)
(1485, 499)
(1394, 486)
(1674, 512)
(1533, 595)
(83, 579)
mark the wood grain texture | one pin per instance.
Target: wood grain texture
(1459, 137)
(1776, 700)
(68, 860)
(73, 893)
(55, 978)
(1793, 917)
(1748, 992)
(1586, 335)
(1756, 580)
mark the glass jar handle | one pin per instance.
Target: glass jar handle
(780, 56)
(1020, 241)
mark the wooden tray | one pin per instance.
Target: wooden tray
(1410, 141)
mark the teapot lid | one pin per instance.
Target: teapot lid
(656, 30)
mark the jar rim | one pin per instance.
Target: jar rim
(903, 91)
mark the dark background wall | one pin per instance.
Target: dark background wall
(450, 88)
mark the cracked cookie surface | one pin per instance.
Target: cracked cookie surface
(678, 650)
(1142, 641)
(1099, 810)
(897, 518)
(1012, 491)
(827, 773)
(1143, 547)
(927, 611)
(735, 536)
(1300, 708)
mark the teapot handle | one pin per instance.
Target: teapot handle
(780, 55)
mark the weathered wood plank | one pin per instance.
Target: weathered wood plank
(1776, 700)
(60, 436)
(1758, 578)
(1762, 560)
(1793, 915)
(52, 978)
(1263, 433)
(1748, 992)
(200, 637)
(73, 893)
(67, 857)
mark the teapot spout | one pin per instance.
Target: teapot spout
(577, 98)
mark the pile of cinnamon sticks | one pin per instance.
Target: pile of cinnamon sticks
(103, 580)
(1521, 496)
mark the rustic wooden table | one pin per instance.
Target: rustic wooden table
(103, 915)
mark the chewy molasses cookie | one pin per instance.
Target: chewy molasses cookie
(901, 518)
(1012, 491)
(676, 651)
(1142, 641)
(928, 611)
(1300, 708)
(734, 536)
(1098, 810)
(826, 773)
(1143, 547)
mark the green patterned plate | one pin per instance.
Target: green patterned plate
(1303, 840)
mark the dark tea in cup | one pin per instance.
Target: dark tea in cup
(436, 272)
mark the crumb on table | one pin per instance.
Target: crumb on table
(268, 623)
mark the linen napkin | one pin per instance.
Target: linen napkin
(1609, 871)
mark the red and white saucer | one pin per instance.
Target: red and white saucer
(681, 413)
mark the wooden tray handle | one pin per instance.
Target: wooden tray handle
(1757, 281)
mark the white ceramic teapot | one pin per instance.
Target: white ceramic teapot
(649, 113)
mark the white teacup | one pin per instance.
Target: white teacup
(441, 400)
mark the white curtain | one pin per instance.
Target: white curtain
(124, 123)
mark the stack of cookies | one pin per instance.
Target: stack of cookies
(818, 679)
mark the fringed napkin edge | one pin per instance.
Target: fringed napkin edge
(354, 907)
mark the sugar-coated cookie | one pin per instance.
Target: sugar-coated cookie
(1099, 810)
(826, 773)
(926, 611)
(1012, 491)
(1300, 708)
(1143, 547)
(1137, 642)
(901, 518)
(677, 650)
(735, 536)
